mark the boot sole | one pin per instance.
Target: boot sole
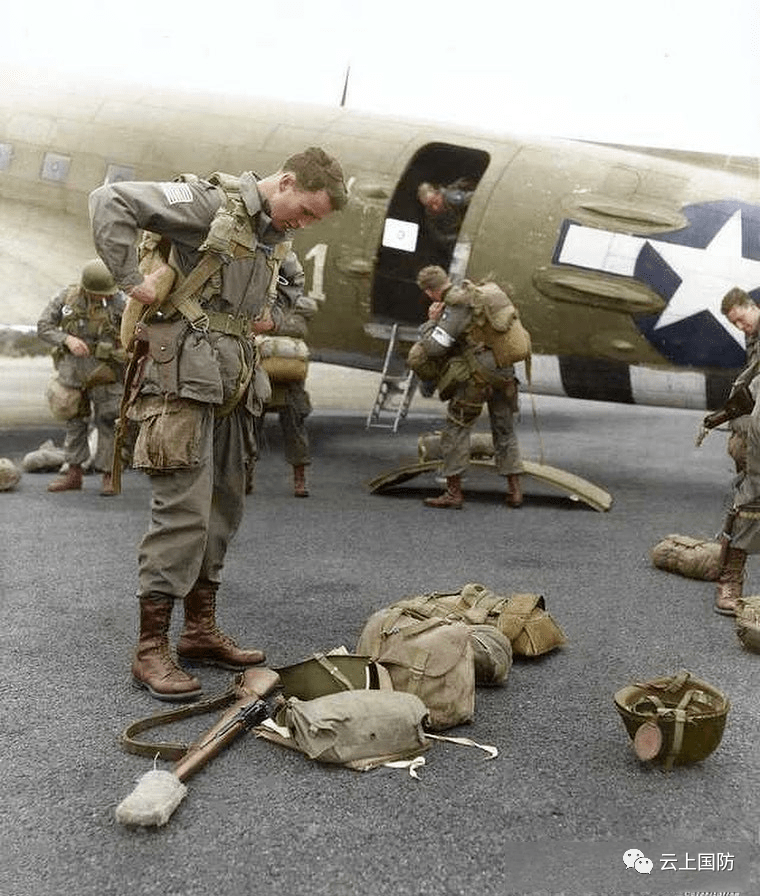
(169, 698)
(721, 612)
(220, 664)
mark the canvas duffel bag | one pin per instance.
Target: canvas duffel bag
(691, 557)
(431, 658)
(360, 729)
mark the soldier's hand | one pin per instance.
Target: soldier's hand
(435, 310)
(263, 324)
(77, 346)
(147, 291)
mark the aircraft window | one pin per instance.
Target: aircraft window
(55, 167)
(6, 153)
(118, 173)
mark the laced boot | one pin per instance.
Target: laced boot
(299, 482)
(203, 642)
(153, 666)
(514, 490)
(730, 581)
(71, 480)
(452, 498)
(106, 486)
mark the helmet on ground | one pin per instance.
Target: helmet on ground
(96, 278)
(674, 720)
(9, 474)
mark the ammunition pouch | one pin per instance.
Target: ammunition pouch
(170, 435)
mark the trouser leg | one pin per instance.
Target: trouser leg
(233, 445)
(171, 551)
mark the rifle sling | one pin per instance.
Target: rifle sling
(171, 749)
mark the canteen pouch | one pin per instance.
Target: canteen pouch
(689, 557)
(431, 658)
(360, 729)
(529, 627)
(170, 433)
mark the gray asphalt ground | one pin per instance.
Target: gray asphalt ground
(553, 814)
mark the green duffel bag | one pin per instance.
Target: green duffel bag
(492, 652)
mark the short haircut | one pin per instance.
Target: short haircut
(425, 191)
(432, 277)
(734, 298)
(315, 170)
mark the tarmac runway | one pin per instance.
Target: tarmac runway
(566, 797)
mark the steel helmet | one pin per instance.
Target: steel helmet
(96, 278)
(673, 720)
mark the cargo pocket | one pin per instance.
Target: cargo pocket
(170, 433)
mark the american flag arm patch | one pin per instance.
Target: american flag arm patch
(443, 338)
(177, 192)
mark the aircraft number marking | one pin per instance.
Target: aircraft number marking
(319, 254)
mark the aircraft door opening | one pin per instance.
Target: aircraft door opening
(417, 234)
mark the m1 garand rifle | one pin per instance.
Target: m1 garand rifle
(160, 791)
(739, 403)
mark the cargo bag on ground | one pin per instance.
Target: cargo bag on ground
(431, 658)
(523, 618)
(690, 557)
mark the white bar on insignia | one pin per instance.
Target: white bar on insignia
(545, 376)
(601, 250)
(400, 234)
(668, 388)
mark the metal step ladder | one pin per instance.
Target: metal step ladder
(397, 387)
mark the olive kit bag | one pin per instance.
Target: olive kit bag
(431, 658)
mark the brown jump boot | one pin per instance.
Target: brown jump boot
(514, 491)
(730, 581)
(452, 498)
(153, 667)
(201, 639)
(299, 482)
(71, 480)
(106, 486)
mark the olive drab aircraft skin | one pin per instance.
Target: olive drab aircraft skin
(619, 256)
